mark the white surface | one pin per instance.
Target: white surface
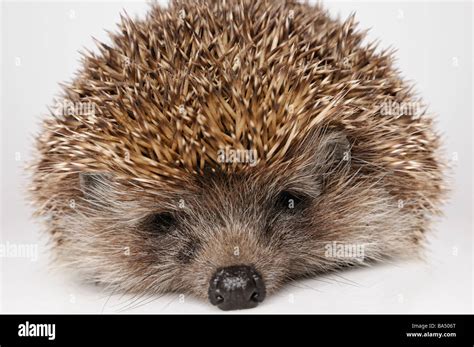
(434, 42)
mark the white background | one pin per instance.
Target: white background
(434, 42)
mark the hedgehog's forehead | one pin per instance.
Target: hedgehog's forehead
(186, 139)
(226, 165)
(218, 184)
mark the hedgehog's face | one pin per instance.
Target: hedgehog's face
(232, 238)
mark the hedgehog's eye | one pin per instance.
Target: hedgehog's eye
(290, 201)
(160, 222)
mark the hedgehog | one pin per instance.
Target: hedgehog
(224, 148)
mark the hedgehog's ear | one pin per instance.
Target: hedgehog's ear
(92, 184)
(334, 150)
(340, 148)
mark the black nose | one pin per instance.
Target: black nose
(236, 287)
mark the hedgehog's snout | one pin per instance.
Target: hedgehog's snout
(236, 287)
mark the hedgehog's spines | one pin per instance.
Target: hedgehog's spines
(172, 90)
